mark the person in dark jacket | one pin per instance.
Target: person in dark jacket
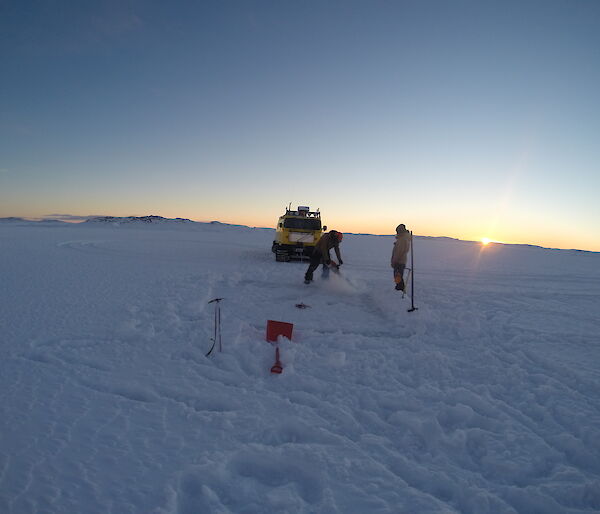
(321, 254)
(399, 255)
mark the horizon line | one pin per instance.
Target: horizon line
(75, 220)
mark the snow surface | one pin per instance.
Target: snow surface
(484, 400)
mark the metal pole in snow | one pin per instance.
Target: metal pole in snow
(412, 275)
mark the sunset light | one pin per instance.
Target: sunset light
(235, 109)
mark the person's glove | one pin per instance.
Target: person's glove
(340, 263)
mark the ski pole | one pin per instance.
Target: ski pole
(412, 275)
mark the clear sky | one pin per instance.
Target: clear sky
(466, 119)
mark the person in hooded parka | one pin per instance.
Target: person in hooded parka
(399, 255)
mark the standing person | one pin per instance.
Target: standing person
(321, 255)
(399, 254)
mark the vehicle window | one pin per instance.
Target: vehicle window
(303, 223)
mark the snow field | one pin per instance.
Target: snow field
(484, 400)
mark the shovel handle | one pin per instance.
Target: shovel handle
(277, 367)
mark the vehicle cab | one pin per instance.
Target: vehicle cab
(297, 233)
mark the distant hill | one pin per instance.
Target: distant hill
(136, 219)
(14, 219)
(11, 219)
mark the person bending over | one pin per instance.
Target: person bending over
(321, 254)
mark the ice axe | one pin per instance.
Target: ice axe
(217, 326)
(277, 367)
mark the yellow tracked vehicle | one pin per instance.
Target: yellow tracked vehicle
(297, 233)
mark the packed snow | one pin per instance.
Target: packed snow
(484, 400)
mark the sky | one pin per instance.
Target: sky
(465, 119)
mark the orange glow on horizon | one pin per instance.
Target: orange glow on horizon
(467, 228)
(469, 232)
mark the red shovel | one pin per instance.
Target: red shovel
(277, 367)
